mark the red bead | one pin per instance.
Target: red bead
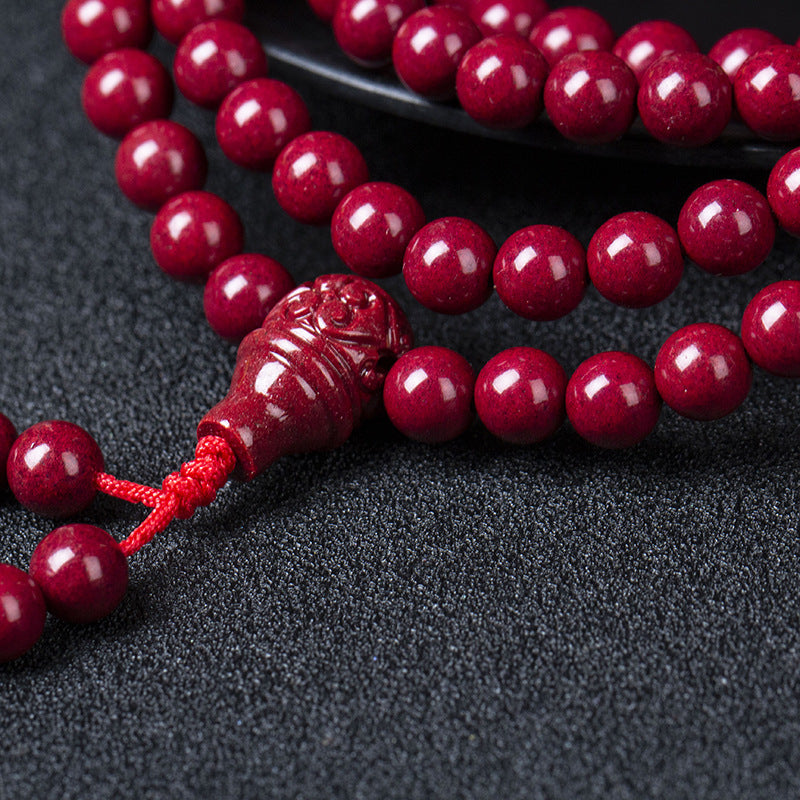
(22, 613)
(726, 227)
(461, 5)
(569, 30)
(216, 57)
(644, 43)
(323, 9)
(733, 49)
(783, 192)
(314, 172)
(159, 160)
(507, 16)
(8, 435)
(124, 89)
(685, 99)
(771, 329)
(519, 395)
(372, 227)
(257, 120)
(591, 97)
(175, 18)
(365, 29)
(500, 82)
(428, 394)
(635, 260)
(429, 47)
(540, 272)
(193, 233)
(81, 571)
(448, 265)
(612, 400)
(767, 89)
(51, 468)
(92, 28)
(702, 371)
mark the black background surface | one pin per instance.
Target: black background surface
(392, 620)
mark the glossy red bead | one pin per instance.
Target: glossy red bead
(241, 291)
(726, 227)
(767, 90)
(8, 435)
(214, 58)
(635, 260)
(644, 43)
(448, 265)
(612, 400)
(569, 30)
(51, 468)
(323, 9)
(175, 18)
(771, 329)
(124, 89)
(500, 82)
(22, 613)
(257, 120)
(157, 161)
(783, 191)
(591, 97)
(92, 28)
(372, 227)
(81, 571)
(540, 272)
(702, 371)
(685, 99)
(733, 49)
(507, 16)
(428, 394)
(429, 47)
(519, 395)
(314, 172)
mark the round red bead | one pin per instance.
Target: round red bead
(22, 613)
(771, 329)
(591, 97)
(92, 28)
(519, 395)
(612, 400)
(783, 191)
(175, 18)
(81, 571)
(702, 371)
(448, 265)
(569, 30)
(733, 49)
(500, 82)
(507, 16)
(540, 272)
(428, 394)
(323, 9)
(314, 172)
(644, 43)
(372, 227)
(726, 227)
(52, 466)
(257, 120)
(635, 260)
(216, 57)
(8, 435)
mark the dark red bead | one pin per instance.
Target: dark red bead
(428, 394)
(783, 191)
(22, 613)
(702, 371)
(685, 99)
(726, 227)
(733, 49)
(635, 260)
(159, 160)
(540, 272)
(429, 47)
(569, 30)
(644, 43)
(448, 265)
(519, 395)
(92, 28)
(372, 227)
(507, 16)
(500, 82)
(591, 97)
(323, 9)
(461, 5)
(241, 291)
(175, 18)
(771, 329)
(81, 571)
(257, 120)
(612, 400)
(216, 57)
(314, 172)
(8, 435)
(51, 468)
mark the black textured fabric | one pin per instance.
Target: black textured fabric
(392, 620)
